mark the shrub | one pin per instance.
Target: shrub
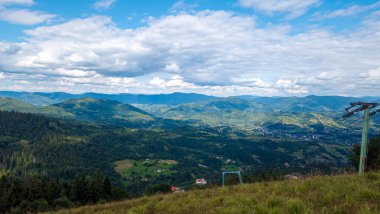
(62, 202)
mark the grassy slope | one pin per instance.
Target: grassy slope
(329, 194)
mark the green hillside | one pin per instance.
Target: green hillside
(285, 117)
(103, 110)
(9, 104)
(319, 194)
(27, 142)
(87, 109)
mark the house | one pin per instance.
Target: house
(174, 188)
(201, 181)
(177, 189)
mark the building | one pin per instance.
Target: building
(174, 188)
(177, 189)
(201, 181)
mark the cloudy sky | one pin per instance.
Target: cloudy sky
(218, 47)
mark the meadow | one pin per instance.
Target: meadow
(132, 170)
(347, 193)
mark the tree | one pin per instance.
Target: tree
(373, 156)
(160, 188)
(79, 192)
(96, 188)
(107, 188)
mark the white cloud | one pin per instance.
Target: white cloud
(98, 80)
(291, 86)
(174, 81)
(74, 73)
(157, 81)
(370, 78)
(293, 8)
(24, 16)
(182, 6)
(104, 4)
(350, 11)
(212, 52)
(2, 76)
(17, 2)
(255, 82)
(173, 67)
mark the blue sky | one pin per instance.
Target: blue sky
(219, 47)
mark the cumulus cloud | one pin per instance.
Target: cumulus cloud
(214, 52)
(293, 8)
(291, 86)
(104, 4)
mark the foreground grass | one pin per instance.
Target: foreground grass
(324, 194)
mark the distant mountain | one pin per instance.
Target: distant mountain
(88, 109)
(306, 117)
(168, 99)
(103, 110)
(307, 104)
(10, 104)
(269, 116)
(38, 98)
(42, 99)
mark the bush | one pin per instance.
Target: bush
(35, 206)
(62, 202)
(161, 188)
(373, 157)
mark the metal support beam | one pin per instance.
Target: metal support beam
(365, 107)
(364, 143)
(232, 172)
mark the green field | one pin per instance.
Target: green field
(144, 170)
(317, 194)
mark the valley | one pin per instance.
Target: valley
(142, 146)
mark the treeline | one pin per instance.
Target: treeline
(31, 194)
(373, 155)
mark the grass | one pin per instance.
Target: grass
(135, 170)
(320, 194)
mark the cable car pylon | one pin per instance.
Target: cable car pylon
(366, 107)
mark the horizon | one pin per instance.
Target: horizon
(187, 93)
(228, 48)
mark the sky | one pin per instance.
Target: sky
(215, 47)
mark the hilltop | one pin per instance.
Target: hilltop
(103, 110)
(326, 194)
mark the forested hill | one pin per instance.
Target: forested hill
(104, 111)
(29, 144)
(85, 109)
(35, 144)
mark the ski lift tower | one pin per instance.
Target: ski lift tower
(366, 107)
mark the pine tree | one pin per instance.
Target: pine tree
(107, 188)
